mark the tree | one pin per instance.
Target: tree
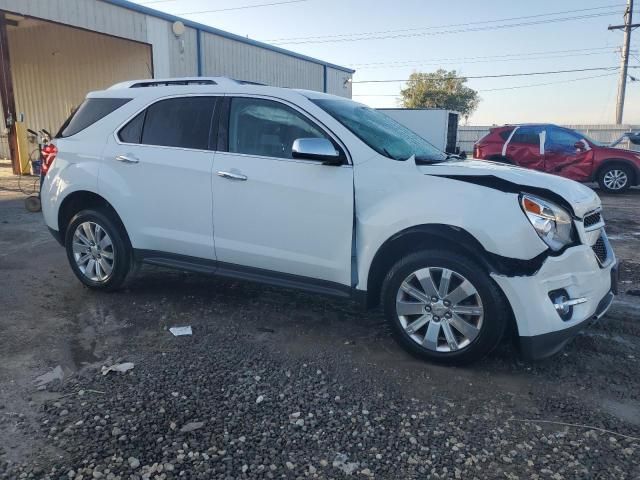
(440, 89)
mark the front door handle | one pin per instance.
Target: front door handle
(232, 176)
(127, 159)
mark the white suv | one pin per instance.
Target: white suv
(307, 190)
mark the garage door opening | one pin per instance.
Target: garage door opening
(48, 68)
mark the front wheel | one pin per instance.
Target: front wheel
(615, 178)
(443, 307)
(98, 250)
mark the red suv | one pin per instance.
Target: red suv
(561, 151)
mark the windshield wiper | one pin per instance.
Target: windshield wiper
(429, 160)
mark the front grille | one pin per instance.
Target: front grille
(592, 219)
(600, 249)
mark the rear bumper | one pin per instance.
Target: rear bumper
(577, 271)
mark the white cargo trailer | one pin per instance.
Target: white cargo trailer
(438, 127)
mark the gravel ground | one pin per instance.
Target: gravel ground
(281, 384)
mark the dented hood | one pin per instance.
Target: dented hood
(580, 198)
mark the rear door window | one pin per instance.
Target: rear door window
(178, 122)
(91, 110)
(527, 135)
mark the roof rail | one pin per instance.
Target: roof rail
(179, 81)
(168, 83)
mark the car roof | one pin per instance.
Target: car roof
(163, 87)
(507, 125)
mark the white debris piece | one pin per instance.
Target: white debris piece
(55, 374)
(178, 331)
(117, 367)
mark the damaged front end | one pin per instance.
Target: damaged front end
(565, 293)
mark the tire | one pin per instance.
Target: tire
(615, 178)
(485, 308)
(112, 258)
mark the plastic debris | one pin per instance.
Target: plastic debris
(178, 331)
(55, 374)
(191, 426)
(117, 367)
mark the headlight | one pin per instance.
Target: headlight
(552, 222)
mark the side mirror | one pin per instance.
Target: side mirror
(316, 149)
(579, 145)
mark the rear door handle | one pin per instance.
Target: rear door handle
(127, 159)
(232, 176)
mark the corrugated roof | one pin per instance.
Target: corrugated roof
(206, 28)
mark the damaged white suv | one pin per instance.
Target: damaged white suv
(307, 190)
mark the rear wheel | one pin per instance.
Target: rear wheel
(615, 178)
(98, 250)
(443, 307)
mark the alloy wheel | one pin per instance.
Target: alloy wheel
(93, 251)
(615, 179)
(439, 309)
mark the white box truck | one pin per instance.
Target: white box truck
(438, 127)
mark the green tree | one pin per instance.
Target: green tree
(440, 89)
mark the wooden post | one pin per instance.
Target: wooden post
(6, 94)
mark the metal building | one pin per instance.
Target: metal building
(52, 52)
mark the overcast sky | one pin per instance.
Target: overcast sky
(583, 43)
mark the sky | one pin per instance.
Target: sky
(469, 36)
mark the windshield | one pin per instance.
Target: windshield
(380, 132)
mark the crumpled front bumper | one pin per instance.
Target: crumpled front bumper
(577, 270)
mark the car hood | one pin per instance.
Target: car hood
(580, 198)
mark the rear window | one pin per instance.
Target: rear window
(91, 110)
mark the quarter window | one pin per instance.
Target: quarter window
(176, 122)
(267, 128)
(132, 131)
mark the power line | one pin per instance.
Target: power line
(243, 7)
(548, 83)
(526, 74)
(508, 88)
(480, 22)
(486, 56)
(491, 60)
(425, 31)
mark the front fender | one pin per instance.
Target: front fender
(409, 198)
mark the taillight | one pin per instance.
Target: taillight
(49, 153)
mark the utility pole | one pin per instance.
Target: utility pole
(624, 66)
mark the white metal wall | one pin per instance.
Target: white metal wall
(226, 57)
(338, 82)
(92, 15)
(54, 67)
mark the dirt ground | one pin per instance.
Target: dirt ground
(228, 401)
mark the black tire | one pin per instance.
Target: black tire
(494, 320)
(121, 249)
(615, 169)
